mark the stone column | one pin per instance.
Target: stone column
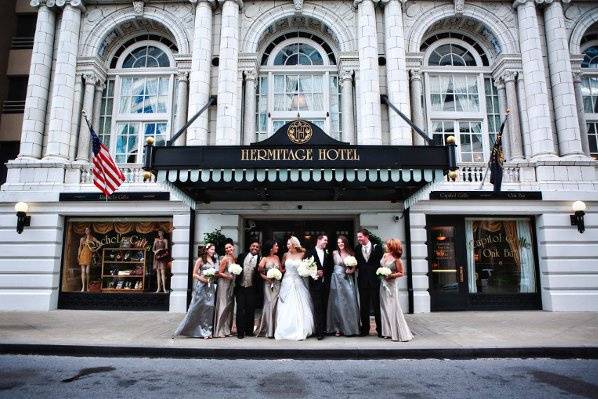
(502, 104)
(396, 72)
(91, 79)
(561, 78)
(61, 110)
(76, 120)
(523, 115)
(34, 117)
(348, 124)
(583, 128)
(369, 97)
(227, 117)
(515, 142)
(250, 105)
(536, 88)
(97, 107)
(417, 111)
(182, 92)
(199, 81)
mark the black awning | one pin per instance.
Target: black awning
(299, 162)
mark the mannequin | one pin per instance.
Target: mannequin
(87, 246)
(160, 244)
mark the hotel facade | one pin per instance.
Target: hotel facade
(300, 135)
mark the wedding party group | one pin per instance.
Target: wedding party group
(314, 292)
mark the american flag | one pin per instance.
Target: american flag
(497, 158)
(106, 175)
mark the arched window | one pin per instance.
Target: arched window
(137, 101)
(298, 78)
(589, 91)
(460, 97)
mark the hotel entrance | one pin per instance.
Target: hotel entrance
(305, 230)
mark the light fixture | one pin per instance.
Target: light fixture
(578, 208)
(22, 219)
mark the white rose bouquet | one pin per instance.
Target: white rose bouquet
(209, 274)
(274, 274)
(383, 272)
(350, 262)
(308, 268)
(235, 269)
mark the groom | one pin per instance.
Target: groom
(368, 257)
(319, 288)
(246, 286)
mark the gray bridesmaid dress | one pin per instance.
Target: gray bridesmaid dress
(225, 307)
(267, 322)
(200, 316)
(343, 309)
(391, 315)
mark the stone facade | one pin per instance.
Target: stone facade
(532, 49)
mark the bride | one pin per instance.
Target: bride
(294, 316)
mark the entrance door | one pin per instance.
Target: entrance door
(306, 231)
(447, 263)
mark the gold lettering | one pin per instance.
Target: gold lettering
(292, 156)
(310, 155)
(271, 155)
(301, 154)
(261, 155)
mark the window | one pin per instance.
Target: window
(589, 92)
(298, 78)
(138, 100)
(460, 97)
(24, 32)
(17, 93)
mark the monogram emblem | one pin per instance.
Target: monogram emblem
(299, 132)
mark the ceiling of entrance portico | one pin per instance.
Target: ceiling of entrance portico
(294, 23)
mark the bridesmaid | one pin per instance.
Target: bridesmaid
(394, 325)
(225, 300)
(200, 317)
(270, 260)
(343, 309)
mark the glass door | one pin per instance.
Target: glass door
(447, 264)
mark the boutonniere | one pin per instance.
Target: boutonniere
(326, 252)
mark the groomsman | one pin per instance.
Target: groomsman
(368, 257)
(246, 285)
(319, 288)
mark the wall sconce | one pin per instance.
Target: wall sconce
(579, 208)
(22, 219)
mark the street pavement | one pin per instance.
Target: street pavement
(70, 377)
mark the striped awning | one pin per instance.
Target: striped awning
(300, 175)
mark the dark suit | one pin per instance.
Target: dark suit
(369, 286)
(319, 290)
(245, 297)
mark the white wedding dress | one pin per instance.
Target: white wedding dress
(294, 314)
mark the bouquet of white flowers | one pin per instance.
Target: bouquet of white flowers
(350, 262)
(235, 269)
(209, 275)
(383, 272)
(308, 268)
(274, 274)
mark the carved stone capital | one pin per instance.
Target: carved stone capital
(210, 2)
(250, 74)
(415, 74)
(239, 2)
(346, 75)
(73, 3)
(182, 76)
(508, 76)
(356, 3)
(385, 2)
(577, 77)
(499, 83)
(40, 3)
(91, 78)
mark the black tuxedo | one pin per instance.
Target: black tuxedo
(245, 297)
(369, 286)
(319, 289)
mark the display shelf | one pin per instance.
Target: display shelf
(108, 263)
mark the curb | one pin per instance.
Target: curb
(306, 354)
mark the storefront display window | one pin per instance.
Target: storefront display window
(124, 256)
(500, 257)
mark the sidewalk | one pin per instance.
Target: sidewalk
(437, 335)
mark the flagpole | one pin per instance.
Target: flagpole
(101, 165)
(490, 157)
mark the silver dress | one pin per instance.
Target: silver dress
(200, 316)
(343, 309)
(225, 307)
(391, 315)
(267, 322)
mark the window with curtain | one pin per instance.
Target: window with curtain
(500, 256)
(460, 97)
(298, 79)
(589, 91)
(138, 99)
